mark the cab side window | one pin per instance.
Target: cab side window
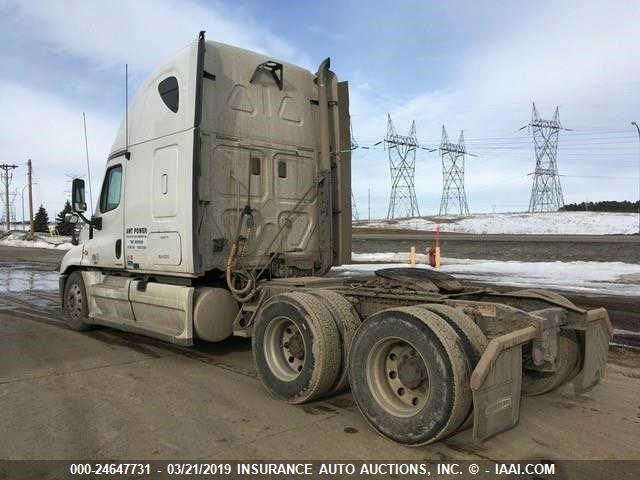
(110, 196)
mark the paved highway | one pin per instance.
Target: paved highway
(605, 248)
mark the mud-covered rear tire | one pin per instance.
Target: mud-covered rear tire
(473, 340)
(409, 375)
(296, 347)
(348, 321)
(568, 361)
(553, 296)
(75, 306)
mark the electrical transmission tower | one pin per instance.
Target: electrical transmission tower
(546, 192)
(454, 197)
(402, 164)
(355, 216)
(6, 177)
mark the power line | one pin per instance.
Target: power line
(600, 176)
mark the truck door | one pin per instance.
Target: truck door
(105, 247)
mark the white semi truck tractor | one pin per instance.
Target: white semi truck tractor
(225, 203)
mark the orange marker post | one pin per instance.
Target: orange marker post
(437, 252)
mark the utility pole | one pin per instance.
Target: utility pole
(29, 172)
(6, 169)
(638, 129)
(369, 203)
(22, 198)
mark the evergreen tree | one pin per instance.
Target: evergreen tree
(602, 206)
(64, 228)
(41, 220)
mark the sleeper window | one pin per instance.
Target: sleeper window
(170, 93)
(255, 165)
(282, 169)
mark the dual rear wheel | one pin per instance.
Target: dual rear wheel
(408, 367)
(301, 342)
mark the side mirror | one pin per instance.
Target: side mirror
(77, 195)
(71, 218)
(96, 222)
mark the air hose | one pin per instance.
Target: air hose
(246, 292)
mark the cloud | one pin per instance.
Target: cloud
(569, 52)
(46, 120)
(581, 56)
(49, 130)
(144, 32)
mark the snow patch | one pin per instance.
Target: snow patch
(603, 278)
(387, 257)
(18, 240)
(558, 223)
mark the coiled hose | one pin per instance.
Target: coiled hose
(246, 292)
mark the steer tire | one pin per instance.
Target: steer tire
(535, 382)
(348, 321)
(317, 339)
(427, 337)
(75, 304)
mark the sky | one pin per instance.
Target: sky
(475, 66)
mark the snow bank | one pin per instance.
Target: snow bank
(18, 240)
(559, 223)
(605, 278)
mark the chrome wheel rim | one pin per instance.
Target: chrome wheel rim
(284, 348)
(397, 376)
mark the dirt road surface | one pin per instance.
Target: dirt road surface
(106, 394)
(48, 258)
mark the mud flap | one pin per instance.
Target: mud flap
(496, 404)
(496, 383)
(597, 332)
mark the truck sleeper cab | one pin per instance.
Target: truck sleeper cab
(224, 205)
